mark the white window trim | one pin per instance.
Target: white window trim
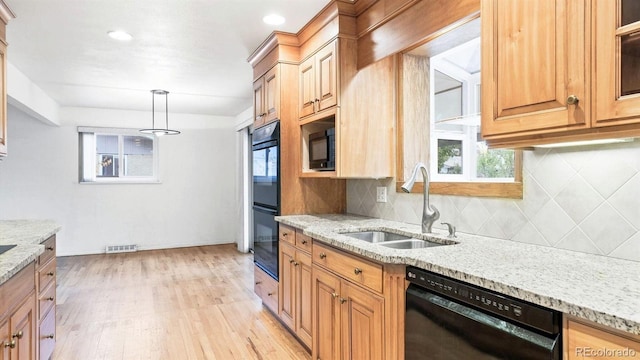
(88, 163)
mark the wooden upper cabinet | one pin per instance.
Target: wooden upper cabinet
(318, 81)
(266, 98)
(258, 103)
(616, 44)
(3, 100)
(272, 95)
(533, 66)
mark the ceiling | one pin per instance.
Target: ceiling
(195, 49)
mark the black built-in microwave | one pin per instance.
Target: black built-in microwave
(322, 150)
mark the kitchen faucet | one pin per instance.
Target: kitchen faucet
(429, 212)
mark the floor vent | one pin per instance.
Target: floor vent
(121, 248)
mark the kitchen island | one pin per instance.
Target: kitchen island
(28, 288)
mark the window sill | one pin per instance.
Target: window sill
(120, 182)
(512, 190)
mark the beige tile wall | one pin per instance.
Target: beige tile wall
(584, 199)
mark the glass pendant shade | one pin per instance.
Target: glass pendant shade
(155, 130)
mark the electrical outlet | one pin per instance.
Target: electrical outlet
(381, 194)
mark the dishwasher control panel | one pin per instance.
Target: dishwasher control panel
(502, 305)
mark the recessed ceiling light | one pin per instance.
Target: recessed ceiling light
(120, 35)
(273, 19)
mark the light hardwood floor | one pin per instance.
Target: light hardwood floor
(189, 303)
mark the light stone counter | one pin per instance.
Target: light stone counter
(598, 288)
(28, 236)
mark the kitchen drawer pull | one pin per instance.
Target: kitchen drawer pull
(50, 273)
(285, 234)
(270, 294)
(50, 248)
(304, 242)
(323, 255)
(258, 282)
(11, 345)
(18, 335)
(50, 336)
(357, 271)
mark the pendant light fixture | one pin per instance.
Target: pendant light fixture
(160, 131)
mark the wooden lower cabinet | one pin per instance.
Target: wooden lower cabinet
(18, 317)
(266, 288)
(295, 291)
(585, 340)
(349, 321)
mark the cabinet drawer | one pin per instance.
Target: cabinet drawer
(46, 300)
(287, 233)
(47, 335)
(358, 270)
(266, 288)
(49, 250)
(46, 274)
(303, 242)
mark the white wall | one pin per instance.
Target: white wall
(195, 203)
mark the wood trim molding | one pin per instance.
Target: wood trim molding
(6, 13)
(273, 41)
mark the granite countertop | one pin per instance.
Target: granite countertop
(28, 236)
(597, 288)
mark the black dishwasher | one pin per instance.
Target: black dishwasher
(447, 319)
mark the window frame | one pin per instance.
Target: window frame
(87, 156)
(500, 189)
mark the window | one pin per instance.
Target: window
(117, 155)
(440, 119)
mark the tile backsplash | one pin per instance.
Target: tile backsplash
(584, 199)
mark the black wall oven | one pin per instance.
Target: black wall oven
(450, 320)
(266, 196)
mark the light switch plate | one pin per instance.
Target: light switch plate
(381, 194)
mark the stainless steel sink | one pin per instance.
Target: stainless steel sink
(410, 244)
(377, 236)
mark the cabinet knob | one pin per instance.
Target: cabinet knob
(50, 248)
(50, 298)
(285, 234)
(291, 261)
(334, 295)
(304, 242)
(10, 345)
(295, 263)
(50, 273)
(258, 282)
(343, 300)
(323, 255)
(357, 271)
(18, 335)
(50, 336)
(270, 294)
(572, 100)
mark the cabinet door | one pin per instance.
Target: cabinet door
(287, 285)
(327, 77)
(5, 341)
(533, 61)
(272, 95)
(23, 329)
(304, 317)
(3, 99)
(307, 87)
(362, 323)
(616, 45)
(258, 103)
(326, 315)
(583, 342)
